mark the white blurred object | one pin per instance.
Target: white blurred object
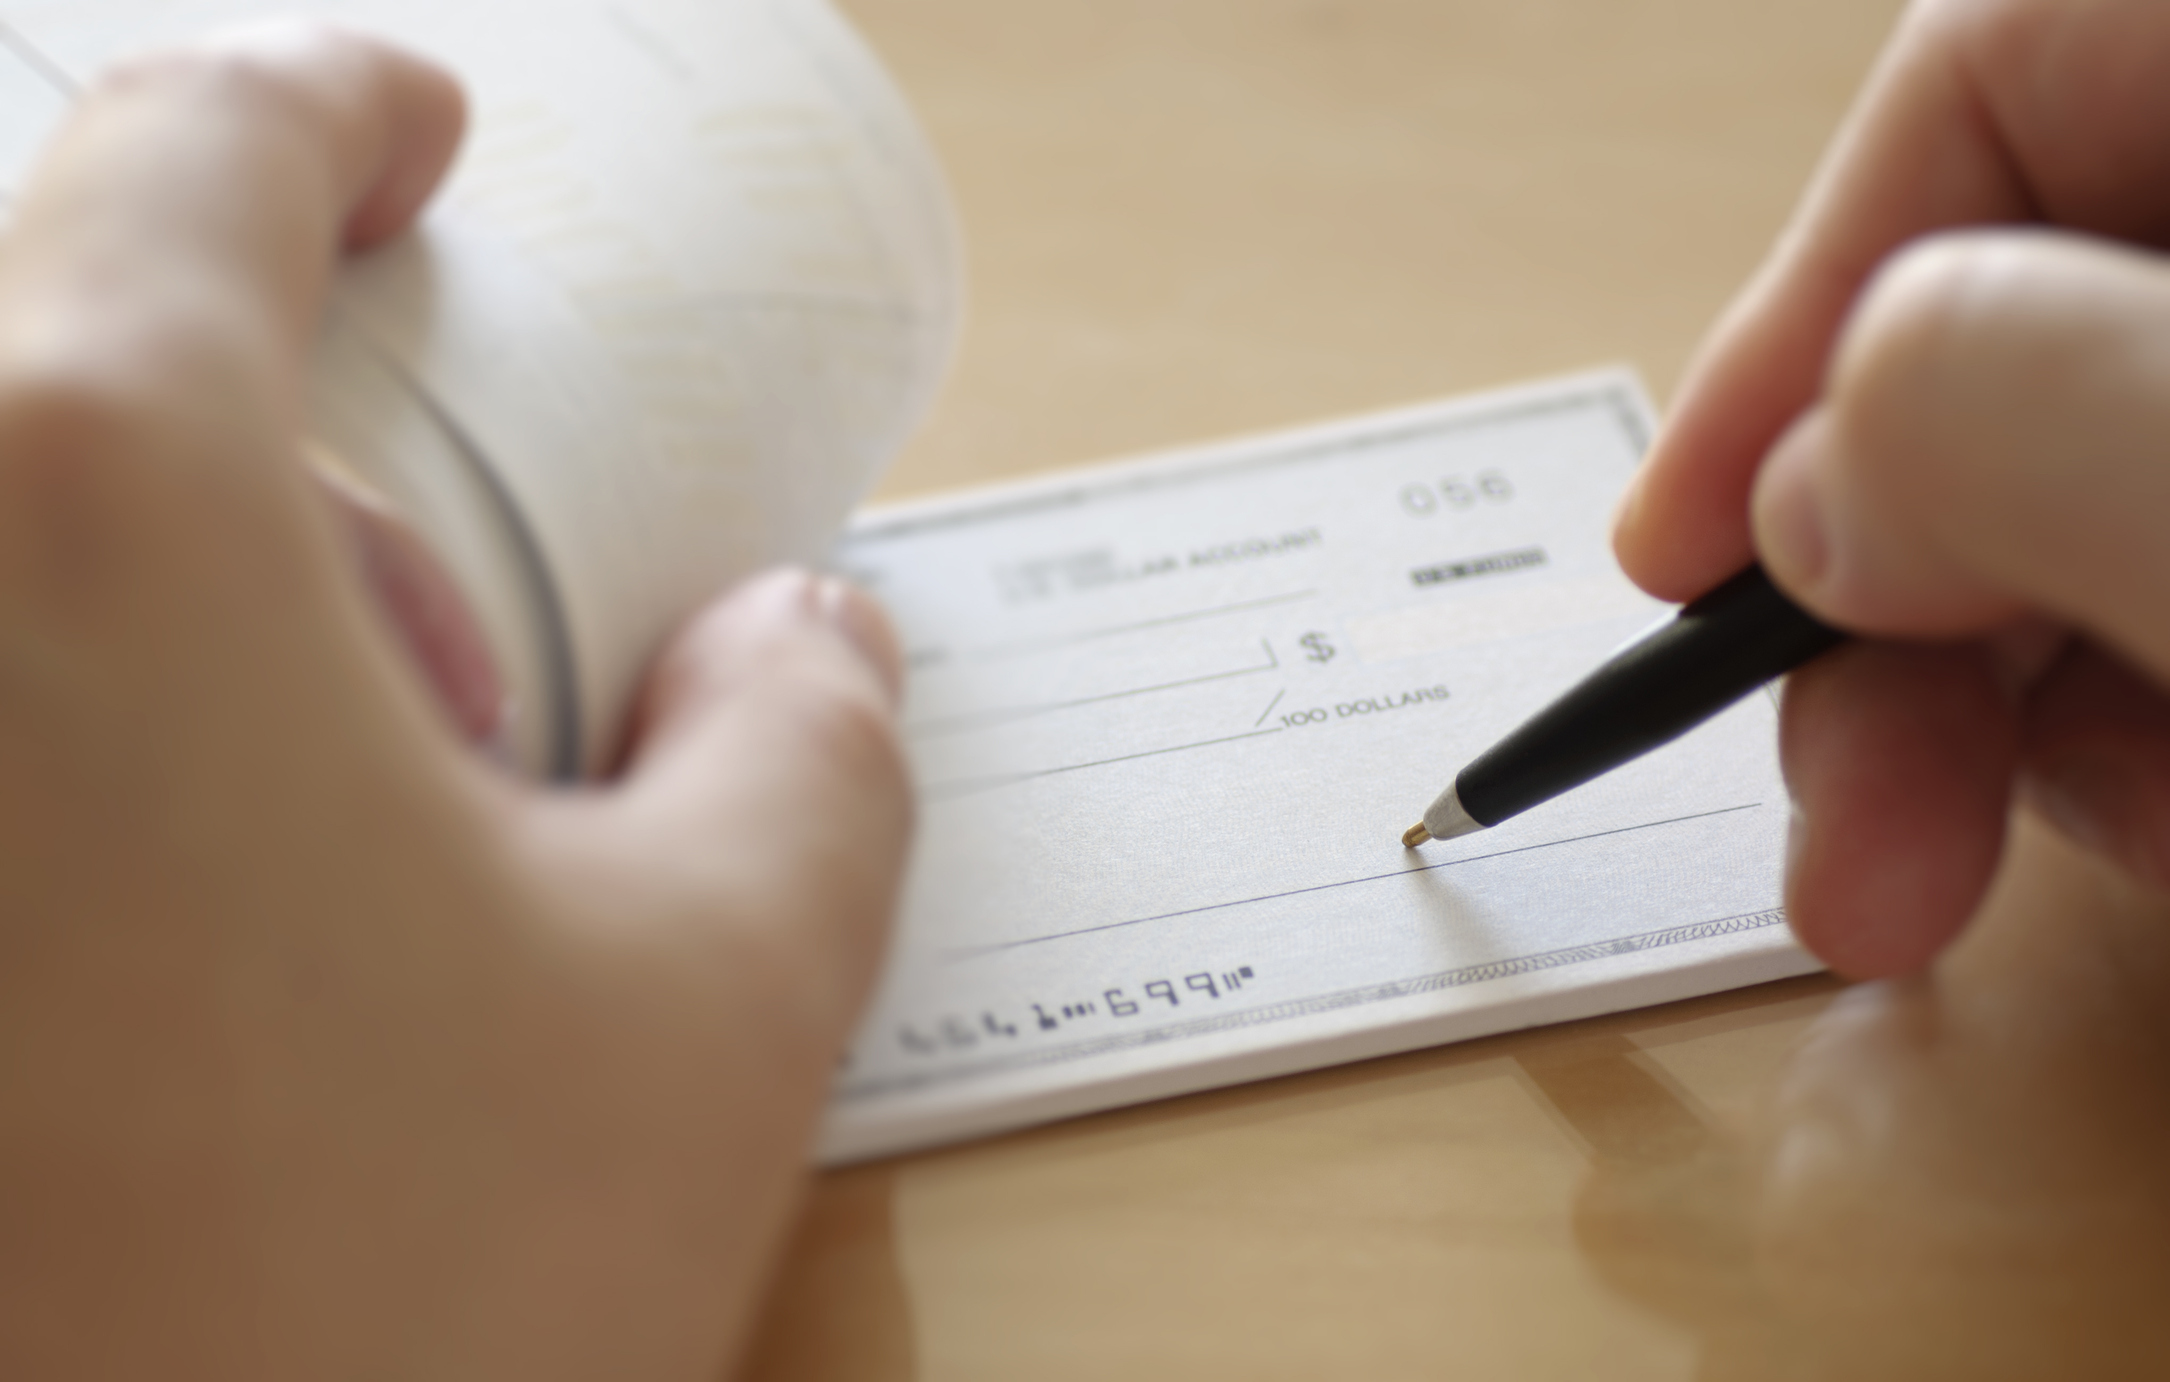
(693, 282)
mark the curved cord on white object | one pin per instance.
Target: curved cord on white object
(35, 58)
(693, 283)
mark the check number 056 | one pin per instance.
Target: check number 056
(1456, 492)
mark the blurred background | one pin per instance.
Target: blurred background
(1186, 218)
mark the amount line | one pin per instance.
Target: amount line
(976, 951)
(986, 719)
(966, 786)
(1034, 645)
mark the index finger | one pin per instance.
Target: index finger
(159, 290)
(1979, 113)
(173, 245)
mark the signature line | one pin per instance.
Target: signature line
(973, 952)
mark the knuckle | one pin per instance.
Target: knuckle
(65, 429)
(2003, 44)
(268, 68)
(69, 488)
(1910, 311)
(1970, 337)
(106, 496)
(1945, 13)
(1974, 29)
(196, 69)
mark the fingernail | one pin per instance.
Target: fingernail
(1792, 522)
(853, 613)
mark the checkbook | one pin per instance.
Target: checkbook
(1169, 718)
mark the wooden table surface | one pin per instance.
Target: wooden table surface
(1188, 218)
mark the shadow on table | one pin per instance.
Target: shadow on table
(1966, 1176)
(1664, 1214)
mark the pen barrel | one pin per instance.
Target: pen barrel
(1709, 655)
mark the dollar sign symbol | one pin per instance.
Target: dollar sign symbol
(1317, 648)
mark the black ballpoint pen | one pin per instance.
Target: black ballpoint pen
(1714, 651)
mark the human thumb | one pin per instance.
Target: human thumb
(1994, 440)
(765, 787)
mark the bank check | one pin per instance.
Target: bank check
(1169, 718)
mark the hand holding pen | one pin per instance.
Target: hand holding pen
(1966, 452)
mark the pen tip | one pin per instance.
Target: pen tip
(1414, 836)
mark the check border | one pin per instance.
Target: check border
(849, 1093)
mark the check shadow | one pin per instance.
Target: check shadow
(1665, 1214)
(1953, 1177)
